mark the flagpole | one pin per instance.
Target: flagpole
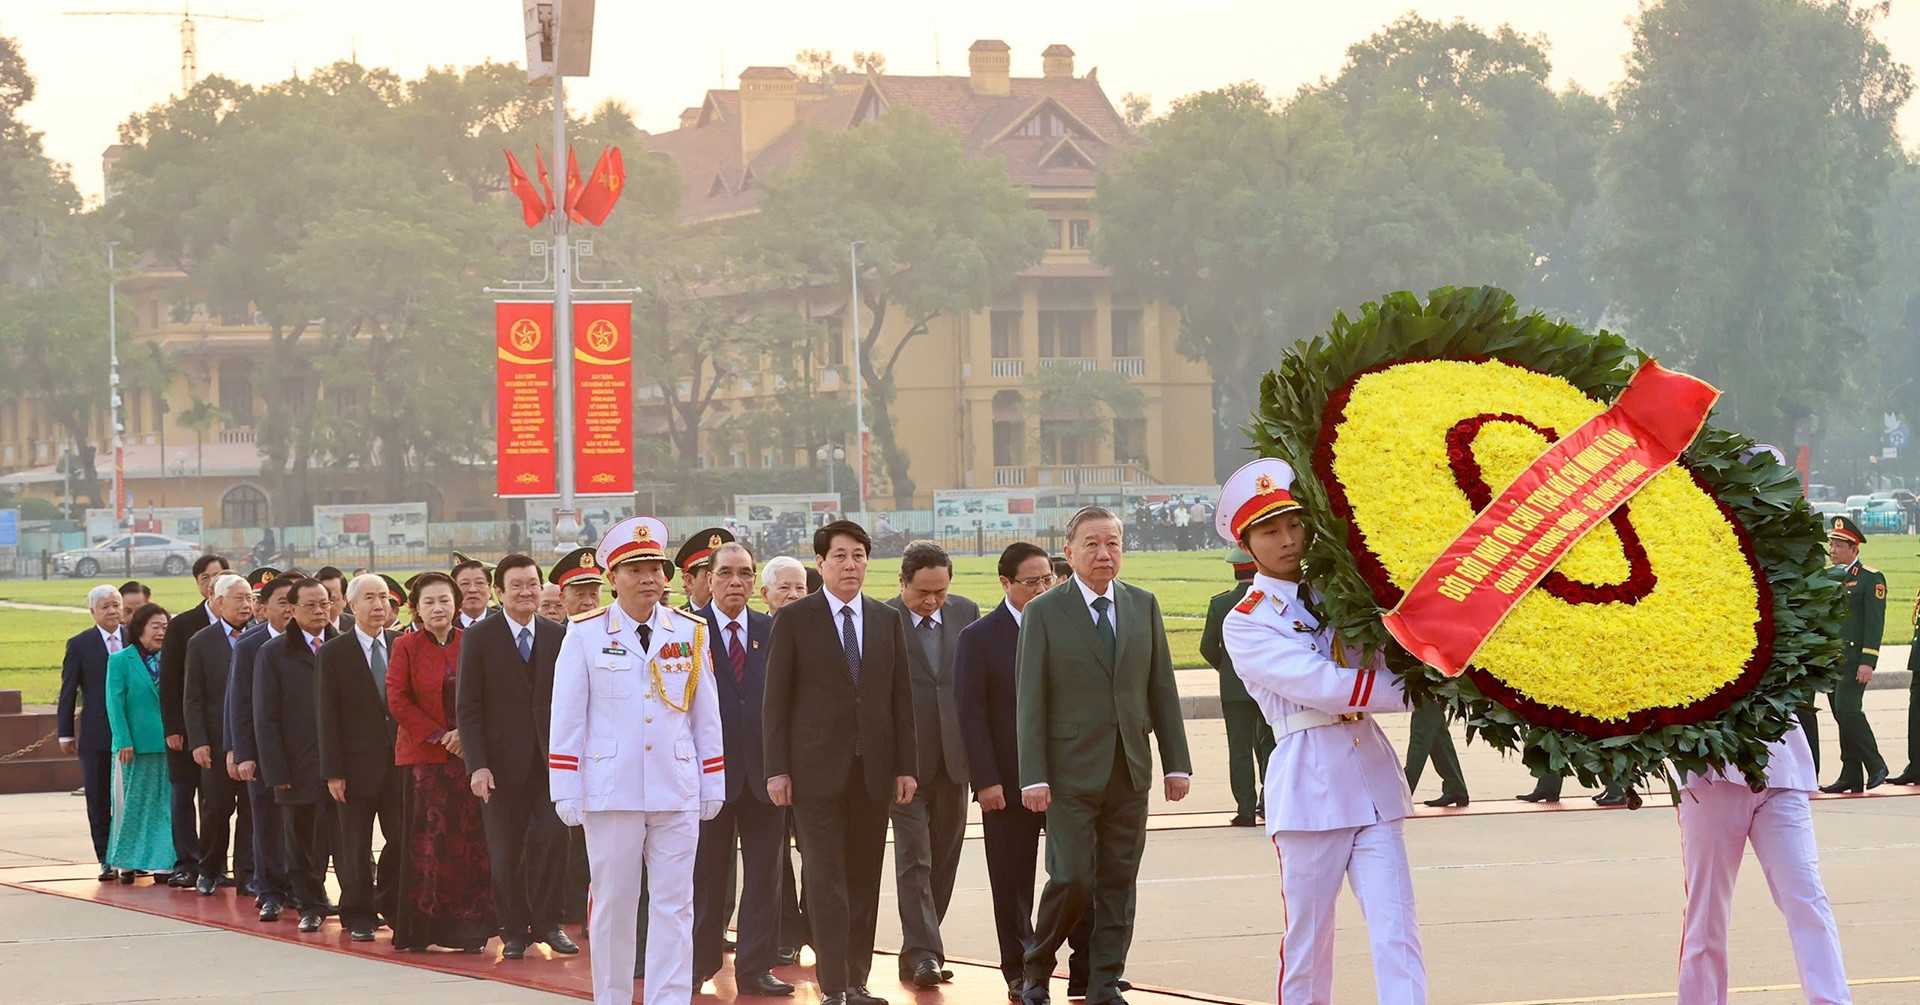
(566, 525)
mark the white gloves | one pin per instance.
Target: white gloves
(568, 810)
(710, 808)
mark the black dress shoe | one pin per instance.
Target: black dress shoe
(1035, 994)
(127, 876)
(1076, 989)
(1611, 797)
(765, 986)
(926, 974)
(1122, 984)
(224, 882)
(786, 957)
(1537, 796)
(181, 879)
(361, 933)
(1842, 787)
(1014, 987)
(1877, 779)
(556, 940)
(309, 921)
(513, 949)
(837, 998)
(1906, 777)
(859, 995)
(332, 909)
(728, 945)
(1241, 820)
(206, 885)
(108, 873)
(269, 911)
(1446, 800)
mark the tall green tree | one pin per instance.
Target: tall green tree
(941, 234)
(1755, 143)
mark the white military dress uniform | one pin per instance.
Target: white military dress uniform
(636, 738)
(1718, 816)
(1336, 793)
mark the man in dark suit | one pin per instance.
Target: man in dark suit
(838, 727)
(985, 698)
(1095, 678)
(356, 757)
(287, 719)
(335, 581)
(737, 639)
(241, 740)
(222, 797)
(929, 831)
(83, 674)
(504, 708)
(173, 716)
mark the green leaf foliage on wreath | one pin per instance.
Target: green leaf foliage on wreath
(1788, 538)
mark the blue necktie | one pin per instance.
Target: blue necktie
(1104, 626)
(526, 646)
(850, 643)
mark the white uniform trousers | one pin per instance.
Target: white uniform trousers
(1716, 821)
(1374, 860)
(617, 843)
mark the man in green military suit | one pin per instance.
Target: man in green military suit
(1861, 766)
(1093, 677)
(1249, 738)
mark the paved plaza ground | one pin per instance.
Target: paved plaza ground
(1570, 906)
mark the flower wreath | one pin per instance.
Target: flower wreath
(1683, 632)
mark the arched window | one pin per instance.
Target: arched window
(243, 506)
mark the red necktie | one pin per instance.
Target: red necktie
(737, 654)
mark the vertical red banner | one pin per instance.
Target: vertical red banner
(523, 383)
(603, 398)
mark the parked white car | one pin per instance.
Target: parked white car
(152, 554)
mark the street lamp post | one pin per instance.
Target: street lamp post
(859, 408)
(831, 456)
(566, 527)
(113, 393)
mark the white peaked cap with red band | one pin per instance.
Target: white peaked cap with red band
(1258, 491)
(638, 538)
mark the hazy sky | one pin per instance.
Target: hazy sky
(661, 57)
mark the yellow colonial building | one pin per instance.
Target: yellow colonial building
(960, 411)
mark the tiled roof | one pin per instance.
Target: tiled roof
(709, 153)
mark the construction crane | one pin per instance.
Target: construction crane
(189, 54)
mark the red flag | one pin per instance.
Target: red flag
(574, 185)
(531, 207)
(603, 188)
(546, 189)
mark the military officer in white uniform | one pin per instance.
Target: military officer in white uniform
(1718, 817)
(636, 759)
(1336, 794)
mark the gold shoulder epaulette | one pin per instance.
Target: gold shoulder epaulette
(590, 615)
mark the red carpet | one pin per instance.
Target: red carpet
(973, 983)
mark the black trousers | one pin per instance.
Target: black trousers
(96, 774)
(269, 846)
(1013, 844)
(843, 844)
(1810, 724)
(368, 890)
(527, 848)
(1094, 843)
(221, 800)
(186, 837)
(308, 829)
(759, 831)
(794, 928)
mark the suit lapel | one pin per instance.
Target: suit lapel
(1081, 617)
(1127, 612)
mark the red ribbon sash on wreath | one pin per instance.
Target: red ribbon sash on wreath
(1567, 491)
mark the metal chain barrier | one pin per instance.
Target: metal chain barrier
(29, 748)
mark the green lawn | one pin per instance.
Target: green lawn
(32, 642)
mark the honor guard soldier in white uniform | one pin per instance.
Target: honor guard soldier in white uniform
(1335, 790)
(1718, 817)
(636, 759)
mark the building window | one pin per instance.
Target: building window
(834, 342)
(243, 506)
(1054, 241)
(1065, 334)
(1128, 340)
(236, 391)
(1130, 441)
(1043, 124)
(1007, 450)
(1077, 231)
(1062, 443)
(1006, 335)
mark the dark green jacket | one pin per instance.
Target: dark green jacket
(1866, 616)
(1213, 646)
(1073, 705)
